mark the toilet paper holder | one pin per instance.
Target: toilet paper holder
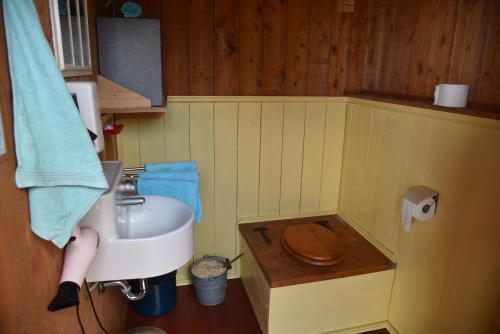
(427, 207)
(419, 203)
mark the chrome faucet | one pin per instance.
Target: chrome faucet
(127, 187)
(130, 200)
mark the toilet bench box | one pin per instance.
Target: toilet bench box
(293, 297)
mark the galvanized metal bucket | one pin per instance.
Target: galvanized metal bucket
(211, 290)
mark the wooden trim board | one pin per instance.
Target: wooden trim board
(179, 99)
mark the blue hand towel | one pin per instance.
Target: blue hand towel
(55, 156)
(178, 166)
(179, 180)
(183, 176)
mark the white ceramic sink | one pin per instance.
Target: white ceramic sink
(140, 241)
(158, 216)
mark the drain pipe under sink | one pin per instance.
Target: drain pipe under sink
(126, 289)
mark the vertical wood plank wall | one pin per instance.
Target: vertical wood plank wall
(256, 47)
(449, 267)
(258, 157)
(307, 47)
(30, 266)
(413, 45)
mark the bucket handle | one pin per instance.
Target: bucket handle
(226, 260)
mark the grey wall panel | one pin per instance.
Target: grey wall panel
(130, 55)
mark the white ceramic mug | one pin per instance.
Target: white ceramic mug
(451, 95)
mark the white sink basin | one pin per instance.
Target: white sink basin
(140, 241)
(158, 216)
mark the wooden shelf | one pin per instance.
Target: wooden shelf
(145, 112)
(484, 111)
(105, 118)
(118, 100)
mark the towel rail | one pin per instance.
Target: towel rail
(127, 172)
(131, 176)
(133, 169)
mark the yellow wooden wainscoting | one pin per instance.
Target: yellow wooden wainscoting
(448, 273)
(258, 157)
(331, 306)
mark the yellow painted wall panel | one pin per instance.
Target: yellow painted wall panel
(177, 132)
(152, 140)
(474, 273)
(448, 267)
(330, 305)
(270, 158)
(226, 164)
(433, 257)
(128, 143)
(462, 245)
(332, 155)
(313, 156)
(256, 286)
(291, 162)
(357, 140)
(248, 173)
(204, 129)
(176, 125)
(394, 140)
(248, 158)
(202, 150)
(184, 273)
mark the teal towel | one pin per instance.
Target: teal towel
(169, 179)
(182, 176)
(55, 156)
(178, 166)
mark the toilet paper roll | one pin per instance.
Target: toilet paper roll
(418, 203)
(451, 95)
(422, 211)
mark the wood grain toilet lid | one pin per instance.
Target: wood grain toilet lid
(312, 244)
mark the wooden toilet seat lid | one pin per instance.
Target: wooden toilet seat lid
(312, 244)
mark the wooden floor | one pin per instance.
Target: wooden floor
(234, 315)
